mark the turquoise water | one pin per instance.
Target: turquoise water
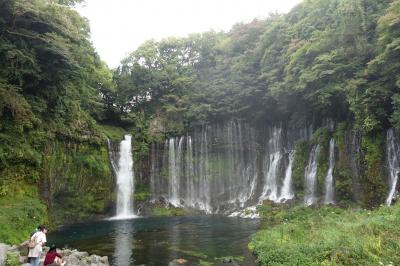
(157, 241)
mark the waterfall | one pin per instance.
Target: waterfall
(329, 189)
(271, 187)
(125, 180)
(154, 171)
(270, 190)
(392, 150)
(251, 176)
(228, 167)
(310, 175)
(213, 169)
(204, 188)
(190, 199)
(175, 156)
(287, 190)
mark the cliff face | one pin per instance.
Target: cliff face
(77, 181)
(71, 182)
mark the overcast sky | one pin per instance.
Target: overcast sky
(119, 26)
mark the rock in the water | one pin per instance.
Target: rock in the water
(229, 261)
(178, 262)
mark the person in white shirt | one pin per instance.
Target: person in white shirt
(40, 240)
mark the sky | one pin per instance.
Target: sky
(118, 27)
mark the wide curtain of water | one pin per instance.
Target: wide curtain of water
(225, 167)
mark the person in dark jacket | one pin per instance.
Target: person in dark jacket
(53, 258)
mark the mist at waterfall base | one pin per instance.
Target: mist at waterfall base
(159, 240)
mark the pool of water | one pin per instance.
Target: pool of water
(159, 240)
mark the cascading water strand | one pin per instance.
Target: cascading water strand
(329, 189)
(125, 180)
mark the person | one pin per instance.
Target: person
(26, 242)
(39, 239)
(53, 258)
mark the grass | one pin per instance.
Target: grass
(21, 212)
(328, 236)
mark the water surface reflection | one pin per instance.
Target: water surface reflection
(157, 241)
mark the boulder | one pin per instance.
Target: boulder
(3, 254)
(81, 255)
(72, 260)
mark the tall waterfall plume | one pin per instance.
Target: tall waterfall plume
(392, 153)
(310, 175)
(329, 188)
(125, 180)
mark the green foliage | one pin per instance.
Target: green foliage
(342, 172)
(79, 181)
(53, 88)
(142, 193)
(373, 182)
(14, 108)
(300, 161)
(329, 236)
(322, 137)
(12, 259)
(324, 59)
(112, 132)
(21, 212)
(162, 211)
